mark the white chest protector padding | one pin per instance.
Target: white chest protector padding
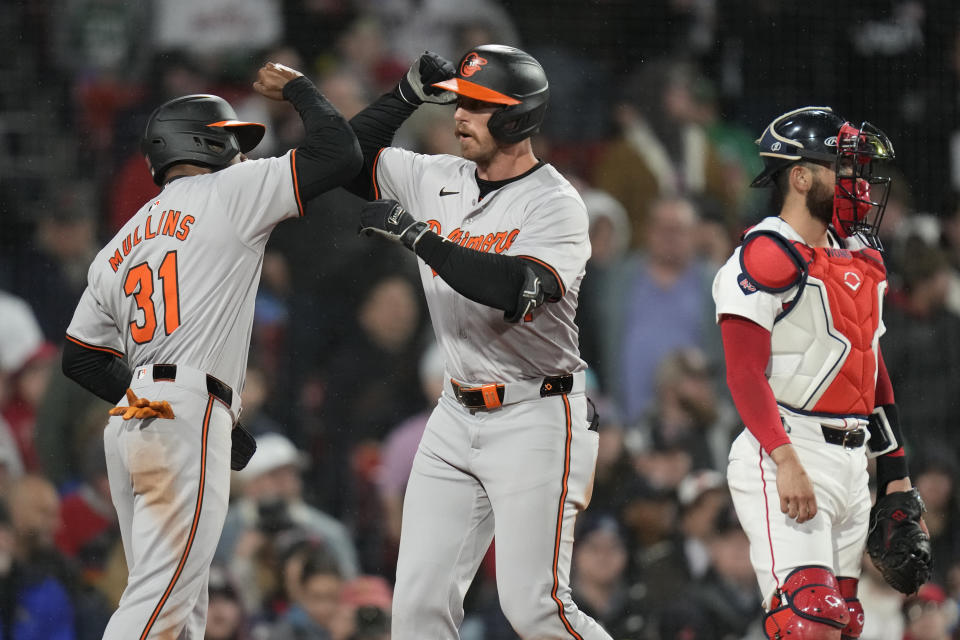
(806, 351)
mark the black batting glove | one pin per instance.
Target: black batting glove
(389, 219)
(243, 446)
(416, 87)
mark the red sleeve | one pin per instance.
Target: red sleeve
(884, 393)
(746, 348)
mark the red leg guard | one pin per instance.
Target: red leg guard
(807, 607)
(848, 589)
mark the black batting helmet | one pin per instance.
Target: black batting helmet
(198, 129)
(508, 77)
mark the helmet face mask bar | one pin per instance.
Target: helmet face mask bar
(860, 197)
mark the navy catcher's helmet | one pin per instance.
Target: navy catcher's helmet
(819, 135)
(810, 132)
(505, 76)
(198, 129)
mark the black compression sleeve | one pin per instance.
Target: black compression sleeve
(330, 154)
(491, 279)
(375, 127)
(101, 373)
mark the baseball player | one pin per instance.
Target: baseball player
(799, 305)
(172, 296)
(509, 449)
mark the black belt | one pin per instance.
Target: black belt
(490, 396)
(846, 438)
(217, 389)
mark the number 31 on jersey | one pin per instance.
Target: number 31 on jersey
(139, 284)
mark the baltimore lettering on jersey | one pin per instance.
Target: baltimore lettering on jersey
(170, 223)
(497, 242)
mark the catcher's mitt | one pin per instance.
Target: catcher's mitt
(897, 543)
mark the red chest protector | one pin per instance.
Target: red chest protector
(854, 282)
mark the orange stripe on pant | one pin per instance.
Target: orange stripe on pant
(193, 527)
(556, 541)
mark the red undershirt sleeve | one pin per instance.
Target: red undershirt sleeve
(746, 348)
(884, 393)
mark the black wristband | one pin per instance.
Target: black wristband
(413, 234)
(405, 92)
(892, 466)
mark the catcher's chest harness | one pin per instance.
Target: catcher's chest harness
(847, 282)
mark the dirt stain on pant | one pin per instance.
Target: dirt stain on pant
(154, 482)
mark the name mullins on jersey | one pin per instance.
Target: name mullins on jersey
(169, 224)
(498, 242)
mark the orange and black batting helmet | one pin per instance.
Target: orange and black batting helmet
(199, 129)
(508, 77)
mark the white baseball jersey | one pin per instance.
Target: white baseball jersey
(176, 286)
(523, 471)
(177, 283)
(824, 327)
(824, 330)
(540, 216)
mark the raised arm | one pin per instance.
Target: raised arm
(330, 154)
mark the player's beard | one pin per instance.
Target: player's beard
(481, 154)
(479, 148)
(820, 201)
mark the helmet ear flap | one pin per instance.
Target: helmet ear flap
(505, 76)
(514, 123)
(198, 129)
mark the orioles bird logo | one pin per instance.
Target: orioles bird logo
(471, 64)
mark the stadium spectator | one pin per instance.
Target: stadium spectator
(316, 609)
(662, 151)
(270, 505)
(655, 301)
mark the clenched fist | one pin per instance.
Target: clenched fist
(272, 78)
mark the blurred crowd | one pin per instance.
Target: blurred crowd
(654, 109)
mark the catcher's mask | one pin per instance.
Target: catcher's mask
(817, 134)
(197, 129)
(860, 197)
(507, 77)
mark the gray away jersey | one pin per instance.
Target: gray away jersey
(540, 216)
(177, 284)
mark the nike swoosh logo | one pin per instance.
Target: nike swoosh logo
(444, 192)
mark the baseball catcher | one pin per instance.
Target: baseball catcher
(800, 306)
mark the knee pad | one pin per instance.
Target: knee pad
(808, 606)
(848, 591)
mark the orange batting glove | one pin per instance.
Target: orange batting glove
(141, 408)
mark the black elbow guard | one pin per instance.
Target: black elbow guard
(530, 297)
